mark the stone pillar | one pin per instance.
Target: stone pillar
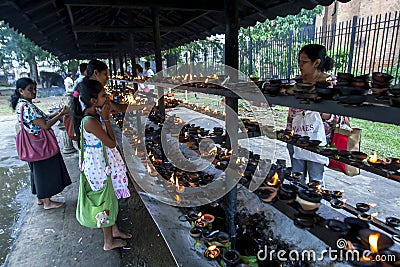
(68, 147)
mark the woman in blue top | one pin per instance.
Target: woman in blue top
(50, 176)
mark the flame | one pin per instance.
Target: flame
(373, 158)
(213, 247)
(136, 152)
(199, 215)
(178, 198)
(186, 76)
(172, 180)
(274, 180)
(329, 79)
(291, 133)
(190, 77)
(148, 168)
(238, 161)
(215, 111)
(213, 150)
(374, 215)
(344, 201)
(373, 242)
(179, 188)
(206, 81)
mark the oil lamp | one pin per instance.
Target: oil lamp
(337, 204)
(373, 159)
(151, 171)
(212, 252)
(209, 218)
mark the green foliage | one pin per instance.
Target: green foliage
(197, 244)
(341, 58)
(15, 46)
(250, 260)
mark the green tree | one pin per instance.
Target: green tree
(15, 46)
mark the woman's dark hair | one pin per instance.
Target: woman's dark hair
(87, 89)
(21, 83)
(317, 51)
(95, 64)
(139, 68)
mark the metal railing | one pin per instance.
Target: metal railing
(358, 46)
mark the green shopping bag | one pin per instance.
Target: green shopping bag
(91, 203)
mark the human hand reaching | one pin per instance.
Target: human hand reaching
(64, 110)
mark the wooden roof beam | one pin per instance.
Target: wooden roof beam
(176, 4)
(121, 28)
(36, 5)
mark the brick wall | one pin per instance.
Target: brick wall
(360, 8)
(375, 50)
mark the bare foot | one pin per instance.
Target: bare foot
(123, 235)
(53, 205)
(116, 243)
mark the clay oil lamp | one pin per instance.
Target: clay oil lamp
(336, 226)
(373, 159)
(343, 153)
(209, 218)
(314, 184)
(231, 257)
(150, 170)
(226, 156)
(358, 155)
(367, 217)
(304, 221)
(199, 222)
(314, 143)
(287, 193)
(210, 153)
(273, 181)
(297, 175)
(223, 237)
(337, 203)
(376, 241)
(209, 235)
(309, 201)
(212, 252)
(195, 232)
(327, 152)
(394, 174)
(301, 142)
(393, 221)
(392, 163)
(193, 216)
(362, 207)
(179, 188)
(139, 154)
(267, 193)
(222, 164)
(355, 225)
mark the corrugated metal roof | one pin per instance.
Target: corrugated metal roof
(96, 28)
